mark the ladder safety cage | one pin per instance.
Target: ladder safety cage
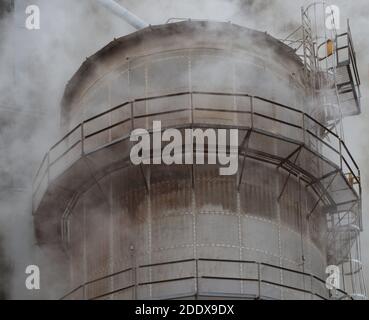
(332, 77)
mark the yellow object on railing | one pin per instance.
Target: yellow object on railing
(330, 48)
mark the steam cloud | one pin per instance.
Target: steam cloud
(36, 65)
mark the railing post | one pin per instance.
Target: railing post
(192, 109)
(197, 278)
(252, 112)
(259, 280)
(341, 159)
(134, 271)
(83, 138)
(312, 287)
(132, 116)
(303, 129)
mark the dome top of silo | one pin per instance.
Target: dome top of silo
(169, 37)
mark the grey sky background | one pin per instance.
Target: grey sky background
(40, 63)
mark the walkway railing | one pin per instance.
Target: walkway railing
(193, 108)
(199, 270)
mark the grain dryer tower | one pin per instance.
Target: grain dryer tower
(184, 231)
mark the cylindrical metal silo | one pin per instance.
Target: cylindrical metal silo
(157, 231)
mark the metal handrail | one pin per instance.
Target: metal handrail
(197, 275)
(252, 113)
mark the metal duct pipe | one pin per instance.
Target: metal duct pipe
(122, 12)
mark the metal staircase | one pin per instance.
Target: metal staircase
(333, 81)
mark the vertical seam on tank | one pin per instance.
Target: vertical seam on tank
(111, 240)
(110, 113)
(193, 199)
(309, 247)
(146, 93)
(240, 238)
(111, 219)
(301, 216)
(148, 197)
(238, 191)
(84, 250)
(193, 204)
(190, 75)
(150, 240)
(279, 235)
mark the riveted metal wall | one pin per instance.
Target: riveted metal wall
(178, 231)
(179, 222)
